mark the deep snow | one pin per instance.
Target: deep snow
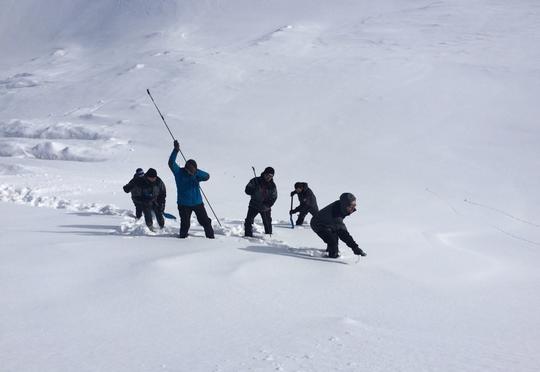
(426, 110)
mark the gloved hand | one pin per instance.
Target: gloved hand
(126, 189)
(291, 212)
(358, 252)
(176, 145)
(293, 193)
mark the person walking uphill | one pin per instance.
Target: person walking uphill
(189, 194)
(135, 193)
(308, 202)
(263, 194)
(328, 224)
(149, 193)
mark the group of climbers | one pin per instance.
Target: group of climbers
(148, 194)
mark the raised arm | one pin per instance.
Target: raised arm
(172, 162)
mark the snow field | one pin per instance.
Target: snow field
(426, 111)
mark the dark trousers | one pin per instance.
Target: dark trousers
(138, 209)
(147, 209)
(266, 218)
(202, 217)
(331, 239)
(301, 217)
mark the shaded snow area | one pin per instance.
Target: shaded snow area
(425, 110)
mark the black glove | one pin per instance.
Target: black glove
(126, 189)
(357, 251)
(293, 193)
(291, 212)
(176, 145)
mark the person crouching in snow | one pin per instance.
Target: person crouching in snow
(135, 197)
(263, 194)
(308, 202)
(328, 225)
(189, 194)
(150, 193)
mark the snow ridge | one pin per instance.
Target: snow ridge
(26, 195)
(62, 130)
(21, 138)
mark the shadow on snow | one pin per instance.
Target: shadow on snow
(284, 250)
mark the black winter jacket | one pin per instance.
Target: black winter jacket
(263, 194)
(146, 192)
(330, 218)
(308, 201)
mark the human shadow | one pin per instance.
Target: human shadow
(283, 225)
(85, 214)
(92, 214)
(289, 227)
(92, 227)
(285, 250)
(108, 230)
(81, 232)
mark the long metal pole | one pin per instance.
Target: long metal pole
(160, 114)
(181, 153)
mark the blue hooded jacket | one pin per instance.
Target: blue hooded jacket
(187, 186)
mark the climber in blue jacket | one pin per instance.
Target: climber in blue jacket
(189, 194)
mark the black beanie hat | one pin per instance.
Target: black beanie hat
(191, 163)
(151, 172)
(269, 170)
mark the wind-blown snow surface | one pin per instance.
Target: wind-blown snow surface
(426, 110)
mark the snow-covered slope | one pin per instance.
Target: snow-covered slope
(426, 110)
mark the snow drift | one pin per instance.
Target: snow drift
(61, 130)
